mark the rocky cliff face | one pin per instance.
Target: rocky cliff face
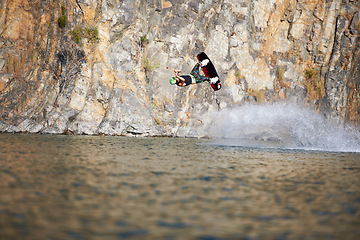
(103, 67)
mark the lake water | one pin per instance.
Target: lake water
(98, 187)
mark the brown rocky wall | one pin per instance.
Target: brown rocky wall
(103, 67)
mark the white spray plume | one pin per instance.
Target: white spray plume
(282, 125)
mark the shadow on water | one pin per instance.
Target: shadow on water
(281, 126)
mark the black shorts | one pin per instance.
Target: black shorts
(188, 79)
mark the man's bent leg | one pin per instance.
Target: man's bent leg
(195, 73)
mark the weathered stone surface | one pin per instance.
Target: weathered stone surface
(114, 78)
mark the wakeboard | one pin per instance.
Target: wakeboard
(209, 70)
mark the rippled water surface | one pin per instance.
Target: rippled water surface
(86, 187)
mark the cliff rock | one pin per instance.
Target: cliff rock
(103, 67)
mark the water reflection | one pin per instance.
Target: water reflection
(82, 187)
